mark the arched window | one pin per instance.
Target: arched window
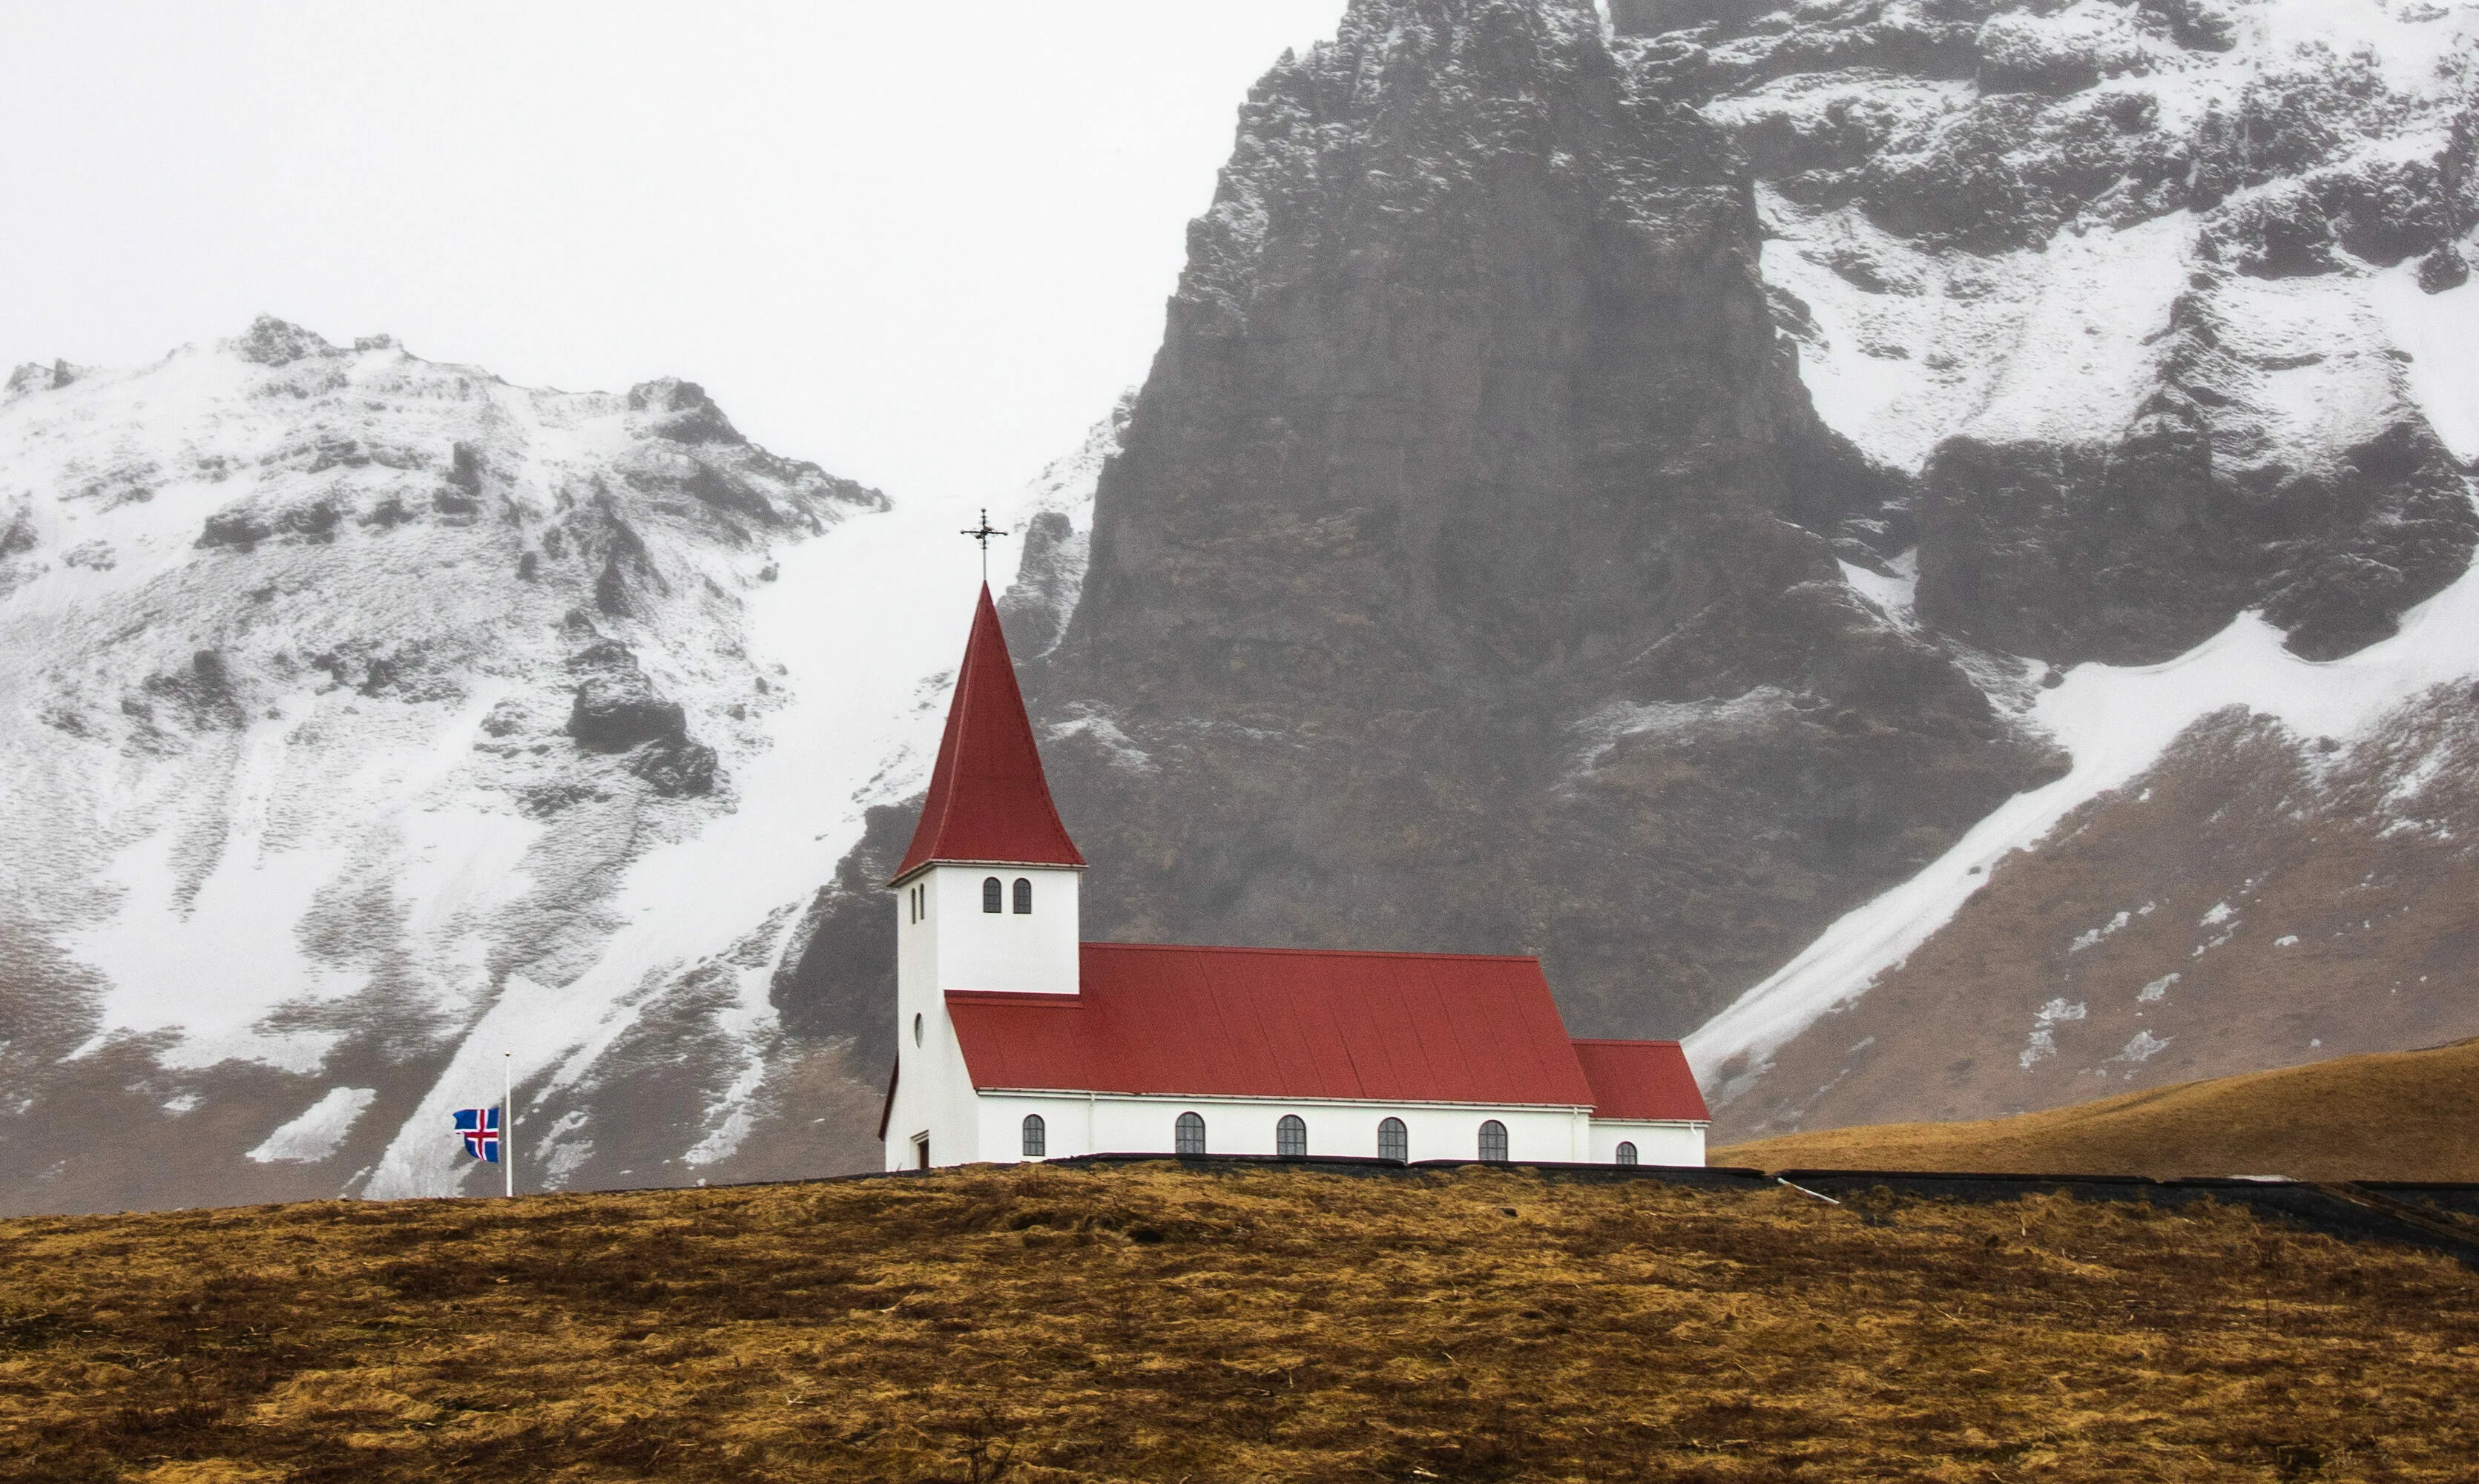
(990, 889)
(1291, 1135)
(1393, 1140)
(916, 1029)
(1493, 1142)
(1187, 1135)
(1036, 1136)
(1627, 1152)
(1023, 895)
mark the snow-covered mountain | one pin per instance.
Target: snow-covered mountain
(376, 729)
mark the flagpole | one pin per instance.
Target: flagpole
(508, 1120)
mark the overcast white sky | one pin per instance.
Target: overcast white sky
(922, 244)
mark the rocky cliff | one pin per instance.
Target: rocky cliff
(1701, 499)
(1472, 577)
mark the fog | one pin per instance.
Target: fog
(923, 246)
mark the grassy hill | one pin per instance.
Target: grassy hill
(1044, 1324)
(2399, 1115)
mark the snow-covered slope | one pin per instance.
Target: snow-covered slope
(375, 729)
(2118, 723)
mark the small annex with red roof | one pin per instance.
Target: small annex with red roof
(1018, 1042)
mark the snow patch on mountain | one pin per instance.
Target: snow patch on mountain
(2440, 333)
(1902, 347)
(321, 1126)
(1604, 728)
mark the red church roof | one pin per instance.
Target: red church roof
(1640, 1080)
(1270, 1022)
(988, 801)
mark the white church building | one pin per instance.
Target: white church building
(1016, 1040)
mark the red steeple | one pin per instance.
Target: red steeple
(988, 801)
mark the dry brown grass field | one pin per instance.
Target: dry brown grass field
(1155, 1322)
(2395, 1116)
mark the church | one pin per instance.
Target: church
(1018, 1042)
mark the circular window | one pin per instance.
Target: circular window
(916, 1029)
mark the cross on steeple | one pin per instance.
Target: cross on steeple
(982, 534)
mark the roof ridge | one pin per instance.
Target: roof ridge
(1016, 996)
(1315, 952)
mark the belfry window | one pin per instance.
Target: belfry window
(1290, 1136)
(1023, 895)
(1036, 1136)
(1187, 1135)
(991, 892)
(1393, 1140)
(1493, 1142)
(1627, 1152)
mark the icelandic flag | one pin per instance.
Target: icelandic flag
(479, 1128)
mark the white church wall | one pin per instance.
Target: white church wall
(934, 1092)
(1122, 1123)
(1656, 1143)
(1024, 953)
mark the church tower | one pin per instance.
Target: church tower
(985, 899)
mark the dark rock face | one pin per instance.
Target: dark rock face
(617, 707)
(675, 767)
(837, 976)
(272, 341)
(1046, 584)
(2135, 552)
(682, 411)
(2443, 269)
(618, 711)
(1468, 580)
